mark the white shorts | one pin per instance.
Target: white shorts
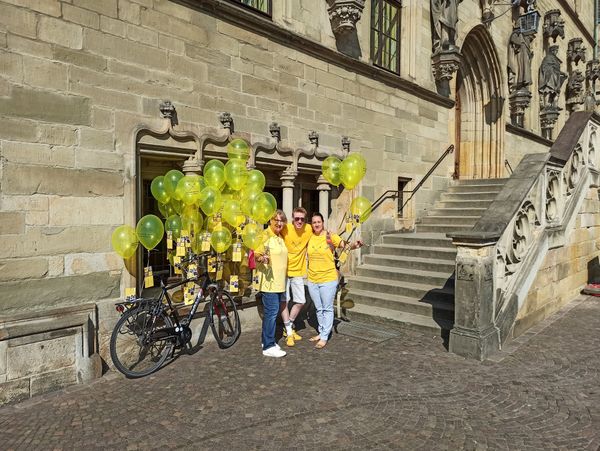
(295, 287)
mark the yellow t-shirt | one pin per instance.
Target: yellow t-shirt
(321, 265)
(296, 242)
(272, 275)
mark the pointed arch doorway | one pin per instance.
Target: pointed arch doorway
(479, 108)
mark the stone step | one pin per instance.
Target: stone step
(436, 228)
(450, 220)
(404, 274)
(432, 309)
(442, 253)
(470, 189)
(481, 182)
(406, 289)
(418, 239)
(454, 211)
(397, 261)
(410, 321)
(462, 204)
(483, 195)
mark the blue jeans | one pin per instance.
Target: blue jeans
(322, 295)
(271, 310)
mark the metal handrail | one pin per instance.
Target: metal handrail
(391, 194)
(508, 166)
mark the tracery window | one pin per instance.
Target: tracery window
(385, 34)
(262, 6)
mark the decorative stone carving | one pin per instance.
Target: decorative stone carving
(167, 109)
(522, 235)
(548, 118)
(444, 17)
(345, 145)
(519, 60)
(553, 196)
(554, 25)
(519, 101)
(575, 90)
(344, 14)
(575, 51)
(275, 131)
(227, 120)
(574, 169)
(444, 65)
(592, 70)
(551, 78)
(313, 137)
(465, 271)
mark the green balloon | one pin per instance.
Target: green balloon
(173, 225)
(256, 179)
(171, 179)
(238, 149)
(220, 240)
(210, 200)
(214, 174)
(361, 207)
(124, 241)
(236, 174)
(331, 170)
(149, 231)
(157, 188)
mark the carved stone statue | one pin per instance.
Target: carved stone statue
(551, 78)
(519, 60)
(444, 17)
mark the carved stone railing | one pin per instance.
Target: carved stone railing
(498, 260)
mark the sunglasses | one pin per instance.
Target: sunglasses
(298, 218)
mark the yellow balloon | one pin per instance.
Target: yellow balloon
(191, 219)
(213, 223)
(248, 196)
(232, 213)
(252, 235)
(238, 149)
(331, 170)
(124, 241)
(220, 240)
(256, 179)
(171, 179)
(150, 231)
(173, 225)
(352, 170)
(361, 207)
(236, 174)
(214, 174)
(263, 209)
(189, 189)
(157, 188)
(210, 200)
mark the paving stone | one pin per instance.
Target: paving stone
(405, 392)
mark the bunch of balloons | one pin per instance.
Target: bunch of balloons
(348, 172)
(227, 197)
(149, 231)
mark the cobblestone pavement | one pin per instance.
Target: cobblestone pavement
(543, 392)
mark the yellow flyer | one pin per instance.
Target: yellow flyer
(180, 248)
(233, 284)
(130, 294)
(349, 226)
(237, 252)
(185, 236)
(176, 263)
(343, 257)
(212, 264)
(148, 277)
(219, 275)
(205, 243)
(255, 282)
(169, 239)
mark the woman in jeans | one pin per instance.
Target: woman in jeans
(271, 258)
(323, 276)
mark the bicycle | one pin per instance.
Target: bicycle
(149, 330)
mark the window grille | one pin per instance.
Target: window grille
(262, 6)
(385, 34)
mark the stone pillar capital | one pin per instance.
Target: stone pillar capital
(193, 166)
(322, 184)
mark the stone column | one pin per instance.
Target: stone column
(287, 183)
(323, 188)
(193, 166)
(474, 335)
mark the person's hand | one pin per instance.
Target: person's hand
(358, 244)
(264, 259)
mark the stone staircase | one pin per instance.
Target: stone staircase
(409, 277)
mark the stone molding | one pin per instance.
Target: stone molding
(344, 14)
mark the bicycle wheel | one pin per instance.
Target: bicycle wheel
(225, 320)
(141, 342)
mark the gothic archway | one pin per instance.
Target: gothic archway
(479, 119)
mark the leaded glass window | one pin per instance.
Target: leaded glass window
(385, 34)
(263, 6)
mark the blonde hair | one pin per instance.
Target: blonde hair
(281, 213)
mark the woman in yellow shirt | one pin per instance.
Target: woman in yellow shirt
(271, 259)
(323, 276)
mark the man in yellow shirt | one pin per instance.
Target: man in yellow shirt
(296, 237)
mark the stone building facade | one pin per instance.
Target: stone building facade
(82, 81)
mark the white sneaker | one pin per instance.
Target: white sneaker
(276, 345)
(274, 352)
